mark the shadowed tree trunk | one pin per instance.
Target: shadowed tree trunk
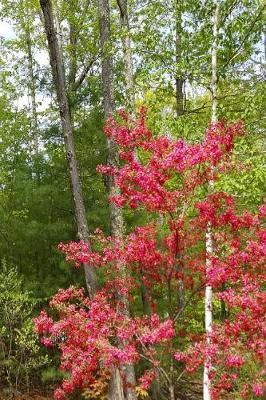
(179, 81)
(130, 99)
(128, 62)
(32, 90)
(56, 61)
(27, 24)
(117, 223)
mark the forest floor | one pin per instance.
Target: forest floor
(31, 395)
(28, 396)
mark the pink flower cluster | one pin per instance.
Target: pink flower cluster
(146, 183)
(87, 333)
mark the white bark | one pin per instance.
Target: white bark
(209, 240)
(208, 318)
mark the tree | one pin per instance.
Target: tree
(239, 241)
(117, 223)
(128, 61)
(57, 66)
(209, 240)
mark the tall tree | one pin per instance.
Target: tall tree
(32, 87)
(209, 239)
(57, 66)
(128, 61)
(117, 223)
(179, 81)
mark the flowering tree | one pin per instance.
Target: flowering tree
(167, 263)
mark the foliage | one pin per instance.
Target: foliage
(20, 354)
(169, 40)
(95, 335)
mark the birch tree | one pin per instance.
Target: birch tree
(209, 239)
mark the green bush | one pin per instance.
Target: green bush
(21, 359)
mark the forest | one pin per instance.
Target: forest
(132, 199)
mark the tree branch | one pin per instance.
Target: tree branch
(236, 52)
(198, 289)
(83, 74)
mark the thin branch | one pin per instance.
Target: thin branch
(236, 52)
(198, 289)
(83, 74)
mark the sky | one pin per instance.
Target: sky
(6, 30)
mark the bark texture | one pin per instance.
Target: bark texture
(56, 61)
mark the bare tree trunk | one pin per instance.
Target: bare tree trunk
(26, 24)
(56, 62)
(130, 96)
(144, 297)
(179, 81)
(117, 223)
(115, 387)
(209, 239)
(109, 106)
(130, 88)
(172, 392)
(264, 42)
(171, 375)
(32, 90)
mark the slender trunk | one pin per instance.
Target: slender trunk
(117, 224)
(209, 239)
(172, 392)
(56, 16)
(109, 106)
(32, 90)
(208, 319)
(144, 297)
(171, 377)
(179, 81)
(72, 64)
(26, 21)
(180, 268)
(128, 62)
(56, 62)
(130, 102)
(264, 37)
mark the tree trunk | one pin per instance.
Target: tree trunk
(209, 239)
(115, 387)
(32, 90)
(26, 21)
(144, 297)
(179, 81)
(172, 392)
(56, 62)
(130, 87)
(117, 224)
(264, 42)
